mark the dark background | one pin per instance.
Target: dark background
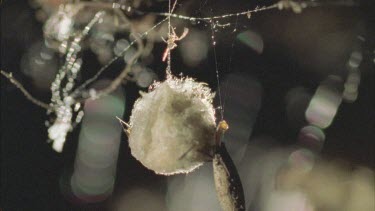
(32, 174)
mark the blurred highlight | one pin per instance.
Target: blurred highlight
(139, 199)
(325, 102)
(145, 77)
(311, 137)
(252, 40)
(40, 63)
(354, 77)
(239, 113)
(99, 141)
(194, 48)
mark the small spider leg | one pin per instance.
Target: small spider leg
(185, 153)
(207, 155)
(172, 38)
(125, 125)
(183, 35)
(165, 54)
(173, 32)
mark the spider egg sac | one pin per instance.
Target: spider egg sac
(172, 127)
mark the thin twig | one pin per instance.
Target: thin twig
(24, 91)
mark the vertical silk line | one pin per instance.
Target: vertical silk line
(170, 10)
(230, 64)
(168, 70)
(217, 72)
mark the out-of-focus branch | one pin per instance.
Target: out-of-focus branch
(117, 82)
(24, 91)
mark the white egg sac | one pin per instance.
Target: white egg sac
(172, 127)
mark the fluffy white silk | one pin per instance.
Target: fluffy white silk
(172, 127)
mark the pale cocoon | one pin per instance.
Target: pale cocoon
(172, 128)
